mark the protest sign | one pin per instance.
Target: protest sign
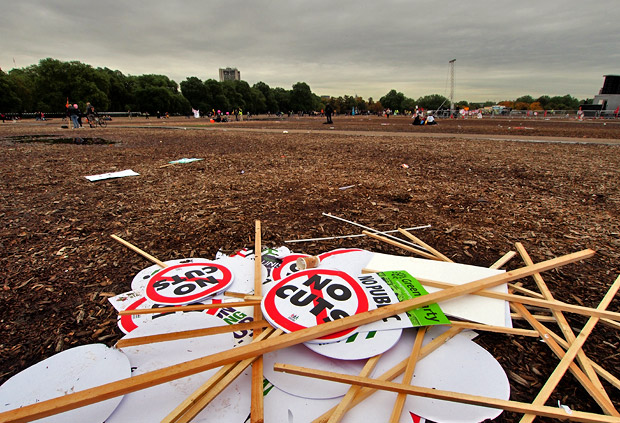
(184, 283)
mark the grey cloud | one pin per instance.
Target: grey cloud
(501, 47)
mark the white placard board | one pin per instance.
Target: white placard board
(299, 355)
(358, 346)
(112, 175)
(73, 370)
(475, 308)
(154, 403)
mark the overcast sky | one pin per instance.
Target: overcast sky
(503, 49)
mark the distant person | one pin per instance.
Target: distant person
(417, 120)
(129, 114)
(329, 111)
(90, 111)
(74, 112)
(430, 120)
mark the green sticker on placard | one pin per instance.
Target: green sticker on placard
(407, 287)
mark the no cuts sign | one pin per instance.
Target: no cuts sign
(184, 283)
(312, 297)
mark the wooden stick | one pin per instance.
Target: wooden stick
(194, 307)
(223, 384)
(503, 260)
(194, 401)
(194, 333)
(235, 294)
(554, 305)
(614, 381)
(401, 245)
(145, 380)
(425, 245)
(253, 298)
(139, 251)
(394, 372)
(559, 352)
(566, 330)
(526, 291)
(352, 236)
(519, 407)
(495, 329)
(257, 410)
(411, 363)
(570, 355)
(539, 317)
(612, 323)
(373, 230)
(343, 405)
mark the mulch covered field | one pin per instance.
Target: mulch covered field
(480, 196)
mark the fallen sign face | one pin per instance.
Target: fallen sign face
(112, 175)
(312, 297)
(317, 296)
(187, 282)
(72, 370)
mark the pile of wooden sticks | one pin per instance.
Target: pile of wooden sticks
(567, 346)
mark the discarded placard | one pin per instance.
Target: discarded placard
(479, 309)
(187, 282)
(316, 296)
(113, 175)
(73, 370)
(185, 160)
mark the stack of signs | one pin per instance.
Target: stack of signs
(183, 282)
(294, 299)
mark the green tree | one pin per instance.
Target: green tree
(393, 100)
(374, 107)
(120, 93)
(258, 102)
(271, 105)
(433, 102)
(408, 104)
(23, 86)
(301, 98)
(9, 99)
(195, 91)
(283, 100)
(215, 95)
(525, 99)
(234, 98)
(544, 101)
(154, 99)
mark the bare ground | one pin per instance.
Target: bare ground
(59, 263)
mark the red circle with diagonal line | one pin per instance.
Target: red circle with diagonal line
(312, 297)
(188, 282)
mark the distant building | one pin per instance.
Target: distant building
(230, 74)
(608, 97)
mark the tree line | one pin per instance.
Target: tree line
(50, 84)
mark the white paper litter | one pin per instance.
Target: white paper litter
(121, 174)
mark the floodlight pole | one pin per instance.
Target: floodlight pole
(452, 86)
